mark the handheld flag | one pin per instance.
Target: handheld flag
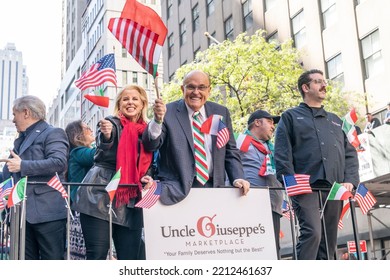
(348, 127)
(364, 198)
(5, 190)
(17, 193)
(113, 185)
(98, 99)
(151, 196)
(338, 192)
(243, 141)
(344, 211)
(56, 184)
(287, 211)
(215, 126)
(102, 71)
(297, 184)
(141, 32)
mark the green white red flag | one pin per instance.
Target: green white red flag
(243, 141)
(141, 32)
(339, 192)
(98, 99)
(18, 192)
(348, 127)
(113, 185)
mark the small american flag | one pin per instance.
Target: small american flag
(100, 72)
(5, 190)
(56, 184)
(222, 135)
(151, 196)
(364, 198)
(287, 210)
(297, 184)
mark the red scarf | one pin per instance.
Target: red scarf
(126, 158)
(260, 147)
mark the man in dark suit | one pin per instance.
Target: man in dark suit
(171, 133)
(39, 152)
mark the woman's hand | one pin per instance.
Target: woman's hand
(147, 180)
(105, 129)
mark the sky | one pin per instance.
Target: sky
(34, 26)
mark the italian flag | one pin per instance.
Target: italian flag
(338, 192)
(243, 141)
(348, 127)
(98, 99)
(18, 192)
(210, 126)
(113, 185)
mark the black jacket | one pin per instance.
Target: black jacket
(312, 142)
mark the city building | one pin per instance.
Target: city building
(13, 79)
(86, 38)
(345, 39)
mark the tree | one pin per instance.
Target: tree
(249, 74)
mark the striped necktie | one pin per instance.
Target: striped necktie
(202, 169)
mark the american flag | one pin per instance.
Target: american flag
(222, 135)
(56, 184)
(141, 32)
(287, 210)
(5, 190)
(364, 198)
(151, 196)
(297, 184)
(100, 72)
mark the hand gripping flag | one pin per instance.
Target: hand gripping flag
(5, 190)
(56, 184)
(141, 32)
(151, 196)
(364, 198)
(338, 192)
(17, 193)
(297, 184)
(100, 72)
(98, 99)
(215, 126)
(348, 127)
(113, 185)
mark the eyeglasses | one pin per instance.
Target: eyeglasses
(319, 82)
(192, 88)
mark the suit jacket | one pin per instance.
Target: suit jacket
(44, 152)
(176, 146)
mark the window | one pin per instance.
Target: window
(335, 69)
(274, 39)
(195, 18)
(170, 45)
(135, 77)
(169, 8)
(145, 80)
(210, 41)
(124, 52)
(229, 29)
(372, 54)
(183, 36)
(299, 30)
(269, 4)
(328, 9)
(124, 77)
(210, 7)
(247, 14)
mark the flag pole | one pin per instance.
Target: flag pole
(156, 86)
(23, 225)
(355, 228)
(110, 225)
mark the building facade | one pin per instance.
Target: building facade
(345, 39)
(13, 79)
(95, 41)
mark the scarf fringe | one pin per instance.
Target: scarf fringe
(124, 194)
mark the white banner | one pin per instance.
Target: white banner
(212, 223)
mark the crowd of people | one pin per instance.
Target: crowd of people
(308, 140)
